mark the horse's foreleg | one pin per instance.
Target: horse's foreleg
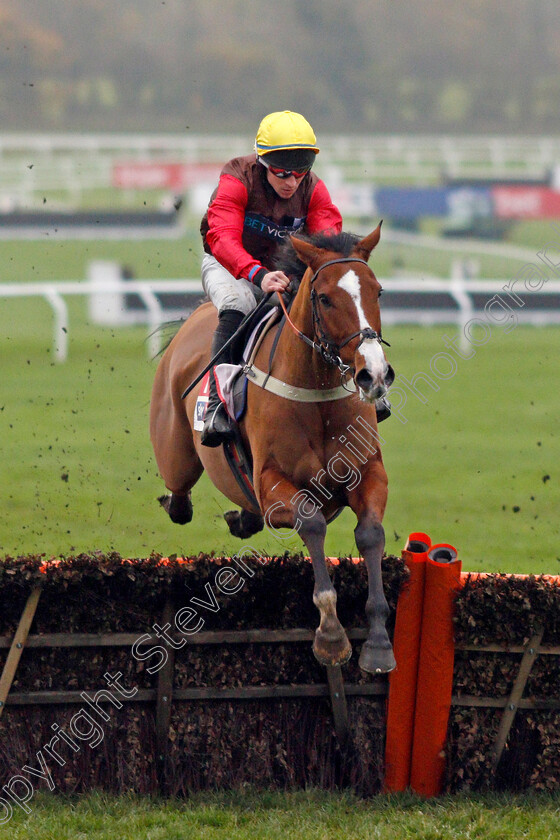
(331, 645)
(376, 656)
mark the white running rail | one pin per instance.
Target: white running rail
(460, 310)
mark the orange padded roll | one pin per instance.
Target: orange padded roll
(402, 681)
(435, 671)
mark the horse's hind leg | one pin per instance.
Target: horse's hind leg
(179, 508)
(243, 524)
(176, 456)
(180, 468)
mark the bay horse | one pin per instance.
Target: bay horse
(315, 450)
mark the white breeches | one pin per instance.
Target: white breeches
(226, 291)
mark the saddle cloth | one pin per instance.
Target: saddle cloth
(231, 383)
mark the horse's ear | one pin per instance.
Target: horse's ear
(305, 250)
(366, 246)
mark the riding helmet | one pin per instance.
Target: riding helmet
(287, 140)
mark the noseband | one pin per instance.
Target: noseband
(329, 350)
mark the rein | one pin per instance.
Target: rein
(328, 349)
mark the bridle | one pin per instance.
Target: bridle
(328, 349)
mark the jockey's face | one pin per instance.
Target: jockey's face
(284, 187)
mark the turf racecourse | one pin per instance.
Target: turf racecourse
(311, 815)
(475, 464)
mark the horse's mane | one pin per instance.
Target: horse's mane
(288, 261)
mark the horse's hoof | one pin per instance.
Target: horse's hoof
(375, 660)
(243, 523)
(179, 508)
(335, 651)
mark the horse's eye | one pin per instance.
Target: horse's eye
(325, 300)
(380, 293)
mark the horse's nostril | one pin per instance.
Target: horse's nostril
(364, 379)
(389, 376)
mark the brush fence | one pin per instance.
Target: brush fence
(174, 675)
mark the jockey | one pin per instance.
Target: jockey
(261, 199)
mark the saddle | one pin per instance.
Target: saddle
(230, 378)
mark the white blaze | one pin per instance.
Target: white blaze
(370, 349)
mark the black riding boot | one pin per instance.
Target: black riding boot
(217, 424)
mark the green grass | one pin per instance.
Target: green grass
(48, 259)
(476, 465)
(309, 815)
(78, 474)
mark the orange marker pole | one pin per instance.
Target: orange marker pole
(435, 671)
(402, 682)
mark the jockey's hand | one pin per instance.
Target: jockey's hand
(275, 281)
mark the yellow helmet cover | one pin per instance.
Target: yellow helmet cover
(283, 131)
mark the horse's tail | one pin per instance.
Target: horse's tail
(167, 331)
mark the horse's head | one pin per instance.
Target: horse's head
(345, 308)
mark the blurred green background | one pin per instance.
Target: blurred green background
(459, 66)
